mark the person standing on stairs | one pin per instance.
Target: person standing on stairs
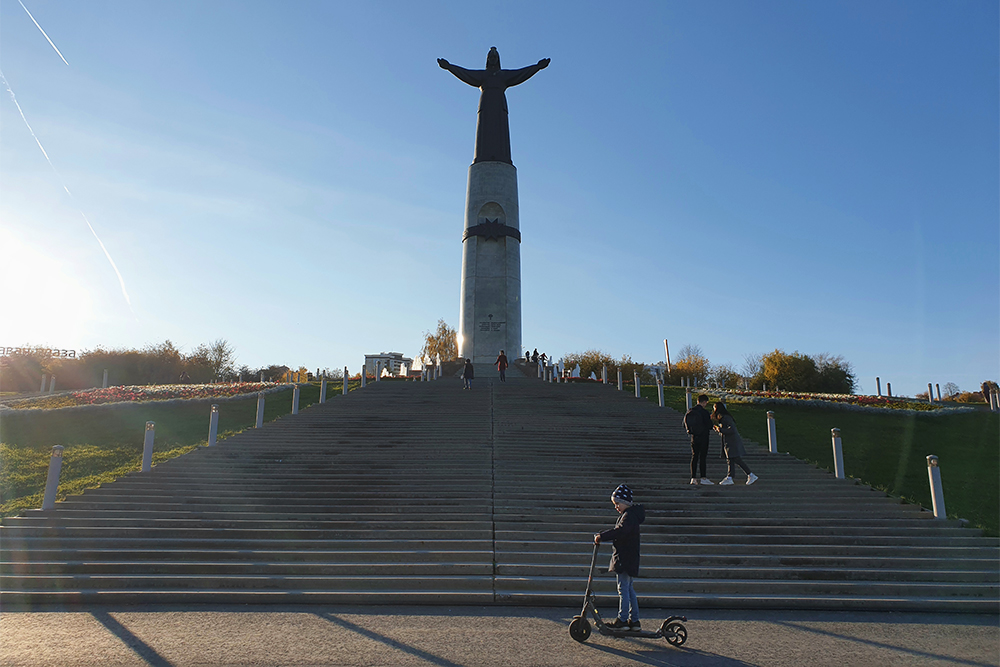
(502, 366)
(468, 373)
(625, 556)
(698, 423)
(732, 443)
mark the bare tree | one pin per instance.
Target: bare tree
(221, 357)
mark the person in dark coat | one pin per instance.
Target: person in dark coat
(698, 423)
(502, 366)
(469, 373)
(534, 356)
(732, 443)
(625, 555)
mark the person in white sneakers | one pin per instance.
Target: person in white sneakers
(732, 444)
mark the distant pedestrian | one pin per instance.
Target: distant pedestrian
(732, 443)
(698, 423)
(502, 366)
(534, 356)
(527, 357)
(543, 358)
(468, 374)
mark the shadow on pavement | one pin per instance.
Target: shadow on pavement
(671, 657)
(869, 642)
(141, 648)
(423, 655)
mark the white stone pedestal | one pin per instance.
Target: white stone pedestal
(490, 308)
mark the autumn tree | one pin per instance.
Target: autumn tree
(443, 341)
(591, 361)
(691, 365)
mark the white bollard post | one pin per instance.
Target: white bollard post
(213, 426)
(262, 376)
(838, 453)
(52, 480)
(938, 387)
(295, 400)
(105, 385)
(147, 447)
(659, 390)
(996, 400)
(364, 377)
(620, 385)
(878, 386)
(538, 368)
(635, 375)
(345, 380)
(937, 492)
(888, 389)
(604, 374)
(44, 383)
(260, 410)
(930, 393)
(322, 390)
(52, 384)
(772, 433)
(687, 398)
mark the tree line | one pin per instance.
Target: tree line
(161, 363)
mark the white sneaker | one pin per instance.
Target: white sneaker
(751, 479)
(706, 480)
(694, 481)
(726, 482)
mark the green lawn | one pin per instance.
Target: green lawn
(888, 450)
(105, 442)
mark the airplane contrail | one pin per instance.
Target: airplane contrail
(42, 31)
(121, 281)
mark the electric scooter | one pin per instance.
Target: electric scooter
(579, 629)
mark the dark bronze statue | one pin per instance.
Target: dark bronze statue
(492, 129)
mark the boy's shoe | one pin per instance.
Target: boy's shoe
(751, 479)
(694, 481)
(617, 624)
(726, 482)
(706, 480)
(634, 625)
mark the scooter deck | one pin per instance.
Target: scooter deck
(610, 632)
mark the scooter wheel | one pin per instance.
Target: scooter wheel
(675, 633)
(579, 629)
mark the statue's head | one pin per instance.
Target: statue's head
(493, 58)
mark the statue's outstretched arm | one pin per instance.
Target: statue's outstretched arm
(471, 77)
(517, 76)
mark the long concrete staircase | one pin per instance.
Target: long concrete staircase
(422, 492)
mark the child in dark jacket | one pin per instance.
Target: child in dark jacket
(625, 556)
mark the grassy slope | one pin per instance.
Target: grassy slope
(888, 450)
(103, 443)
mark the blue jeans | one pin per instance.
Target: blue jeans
(628, 603)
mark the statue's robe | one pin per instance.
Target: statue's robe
(492, 128)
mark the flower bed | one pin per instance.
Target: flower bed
(135, 394)
(846, 401)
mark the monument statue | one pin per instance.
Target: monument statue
(492, 130)
(490, 307)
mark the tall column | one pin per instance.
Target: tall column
(490, 306)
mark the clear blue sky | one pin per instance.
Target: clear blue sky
(743, 176)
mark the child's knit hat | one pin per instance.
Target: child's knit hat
(622, 494)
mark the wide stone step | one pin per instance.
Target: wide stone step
(690, 586)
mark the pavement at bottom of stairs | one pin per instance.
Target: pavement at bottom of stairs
(469, 636)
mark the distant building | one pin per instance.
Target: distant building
(393, 362)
